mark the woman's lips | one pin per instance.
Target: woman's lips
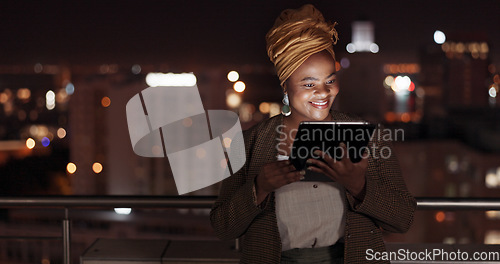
(320, 104)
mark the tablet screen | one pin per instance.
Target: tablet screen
(326, 136)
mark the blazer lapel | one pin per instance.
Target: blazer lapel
(272, 139)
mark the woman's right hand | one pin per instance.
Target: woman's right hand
(274, 175)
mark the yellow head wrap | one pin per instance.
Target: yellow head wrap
(296, 35)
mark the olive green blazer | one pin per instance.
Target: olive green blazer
(387, 204)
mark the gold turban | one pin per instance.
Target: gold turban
(296, 35)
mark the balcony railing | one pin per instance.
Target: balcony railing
(102, 202)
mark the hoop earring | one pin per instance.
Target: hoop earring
(286, 110)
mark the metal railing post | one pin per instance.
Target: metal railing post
(66, 237)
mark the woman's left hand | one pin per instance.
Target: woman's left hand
(350, 175)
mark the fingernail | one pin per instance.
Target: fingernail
(301, 178)
(316, 152)
(309, 161)
(302, 172)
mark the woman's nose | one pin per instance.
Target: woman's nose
(322, 90)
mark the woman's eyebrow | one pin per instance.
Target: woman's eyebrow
(316, 79)
(310, 79)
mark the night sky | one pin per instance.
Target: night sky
(215, 32)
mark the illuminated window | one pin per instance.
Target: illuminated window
(154, 79)
(492, 237)
(363, 37)
(123, 211)
(492, 179)
(494, 215)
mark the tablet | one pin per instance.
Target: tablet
(326, 136)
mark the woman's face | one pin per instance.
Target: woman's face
(312, 88)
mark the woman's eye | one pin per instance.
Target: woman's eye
(331, 81)
(309, 85)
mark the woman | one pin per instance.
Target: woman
(283, 219)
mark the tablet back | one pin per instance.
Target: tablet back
(326, 136)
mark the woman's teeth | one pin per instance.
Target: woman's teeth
(319, 103)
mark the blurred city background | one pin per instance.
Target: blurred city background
(68, 68)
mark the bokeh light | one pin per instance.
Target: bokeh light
(155, 79)
(201, 153)
(401, 84)
(156, 150)
(123, 211)
(70, 88)
(227, 142)
(61, 132)
(50, 100)
(233, 76)
(274, 109)
(264, 107)
(38, 68)
(71, 168)
(439, 37)
(24, 94)
(411, 88)
(187, 122)
(136, 69)
(351, 48)
(97, 167)
(233, 100)
(50, 95)
(30, 143)
(246, 112)
(405, 117)
(61, 96)
(440, 216)
(491, 180)
(45, 141)
(374, 48)
(223, 163)
(492, 92)
(345, 63)
(338, 67)
(239, 86)
(105, 101)
(4, 98)
(388, 81)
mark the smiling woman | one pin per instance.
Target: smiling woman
(312, 89)
(285, 217)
